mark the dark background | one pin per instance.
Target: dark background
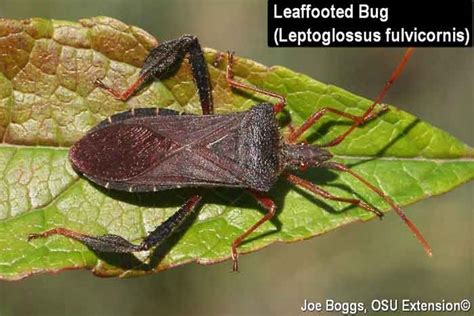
(359, 262)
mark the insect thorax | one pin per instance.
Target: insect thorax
(259, 147)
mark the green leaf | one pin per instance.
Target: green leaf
(48, 101)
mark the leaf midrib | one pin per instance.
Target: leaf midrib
(346, 157)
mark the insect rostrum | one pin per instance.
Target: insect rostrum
(143, 150)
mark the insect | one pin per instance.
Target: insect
(152, 149)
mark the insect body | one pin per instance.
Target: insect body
(161, 149)
(148, 149)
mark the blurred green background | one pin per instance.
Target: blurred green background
(359, 262)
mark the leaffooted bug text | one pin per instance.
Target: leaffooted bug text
(142, 150)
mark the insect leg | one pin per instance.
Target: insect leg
(123, 95)
(233, 83)
(319, 191)
(310, 121)
(270, 207)
(117, 244)
(357, 120)
(163, 60)
(201, 76)
(395, 207)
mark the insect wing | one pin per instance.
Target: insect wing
(118, 152)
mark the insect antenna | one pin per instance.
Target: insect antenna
(396, 208)
(396, 73)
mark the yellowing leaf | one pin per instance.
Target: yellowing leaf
(48, 100)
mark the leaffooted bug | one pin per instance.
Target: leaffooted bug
(143, 150)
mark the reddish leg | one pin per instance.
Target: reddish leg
(117, 244)
(358, 120)
(297, 132)
(411, 226)
(319, 191)
(125, 95)
(233, 83)
(268, 205)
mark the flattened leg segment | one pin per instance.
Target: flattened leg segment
(167, 228)
(117, 244)
(163, 60)
(201, 76)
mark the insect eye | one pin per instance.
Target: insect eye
(303, 166)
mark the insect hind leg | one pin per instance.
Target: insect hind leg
(116, 244)
(162, 60)
(127, 93)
